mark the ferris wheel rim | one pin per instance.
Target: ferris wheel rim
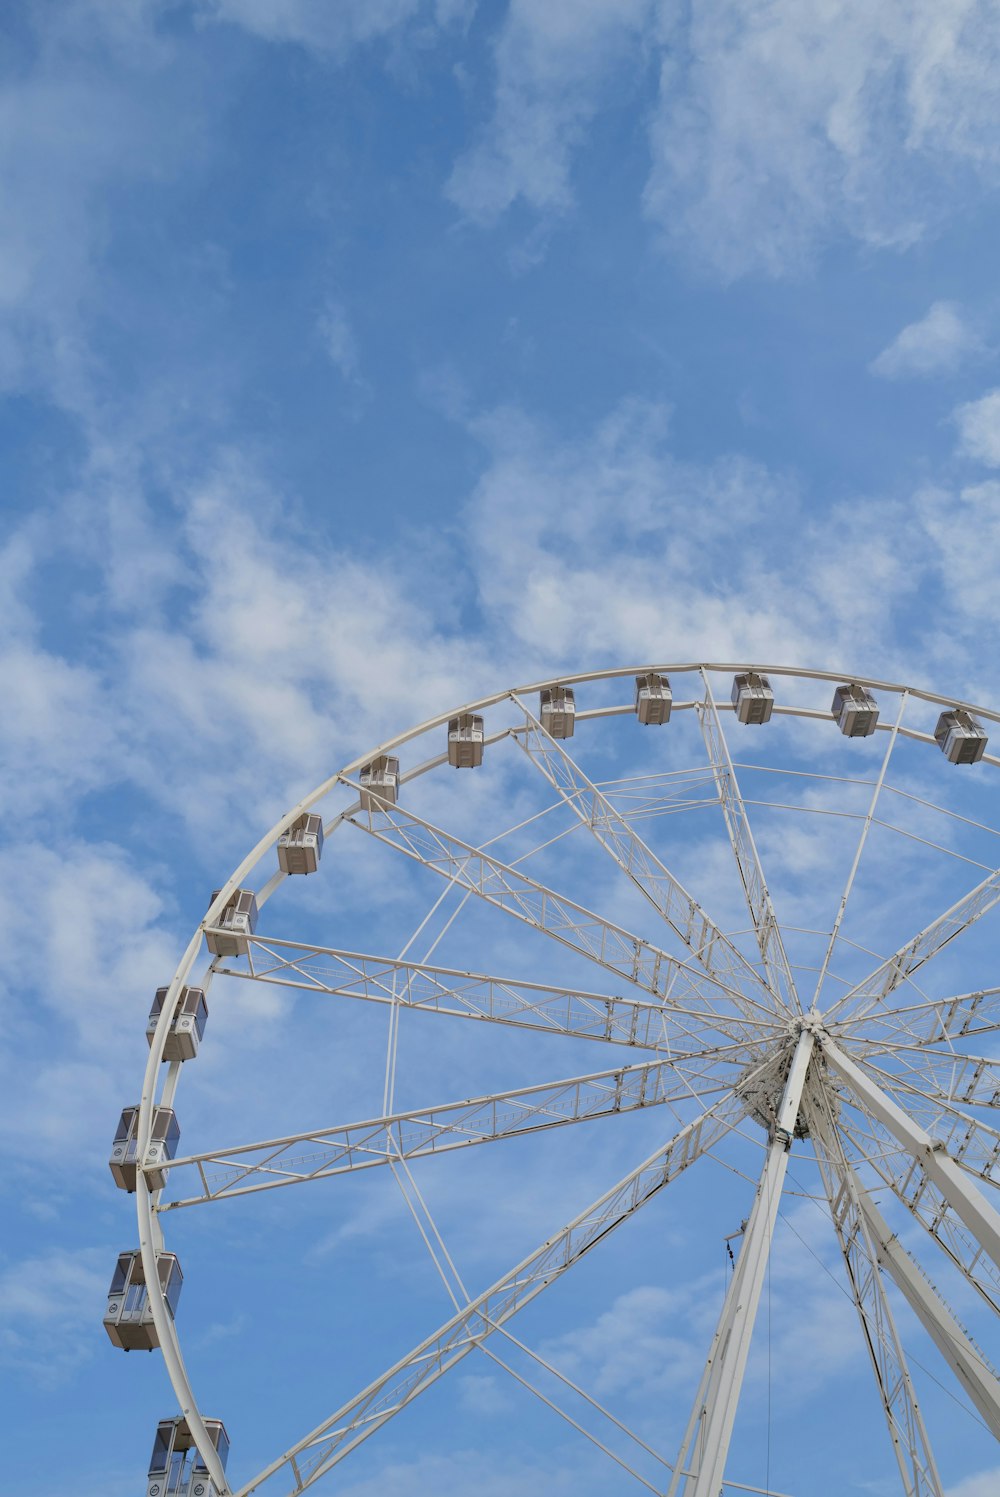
(150, 1232)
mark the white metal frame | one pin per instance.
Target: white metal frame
(714, 1022)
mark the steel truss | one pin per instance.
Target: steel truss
(476, 995)
(914, 1456)
(917, 952)
(328, 1444)
(864, 1234)
(880, 1087)
(765, 922)
(935, 1021)
(609, 945)
(671, 901)
(248, 1168)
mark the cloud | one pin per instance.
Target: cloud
(553, 66)
(329, 28)
(983, 1484)
(483, 1395)
(966, 529)
(100, 110)
(600, 548)
(937, 344)
(60, 735)
(781, 128)
(49, 1305)
(979, 429)
(464, 1471)
(339, 340)
(645, 1328)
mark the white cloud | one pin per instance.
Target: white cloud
(781, 127)
(983, 1484)
(936, 344)
(553, 62)
(486, 1474)
(608, 547)
(63, 1286)
(645, 1328)
(979, 429)
(965, 527)
(49, 1307)
(328, 28)
(339, 340)
(483, 1395)
(100, 110)
(61, 735)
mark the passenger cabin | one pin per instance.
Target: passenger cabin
(380, 783)
(558, 711)
(856, 710)
(163, 1139)
(753, 699)
(176, 1469)
(960, 736)
(653, 699)
(301, 846)
(187, 1025)
(129, 1319)
(466, 736)
(237, 921)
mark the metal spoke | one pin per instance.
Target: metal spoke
(705, 1446)
(859, 850)
(947, 1075)
(904, 1420)
(973, 1144)
(915, 1191)
(899, 967)
(248, 1168)
(476, 995)
(933, 1021)
(755, 889)
(682, 913)
(572, 924)
(326, 1445)
(982, 1220)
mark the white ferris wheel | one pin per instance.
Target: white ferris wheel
(748, 917)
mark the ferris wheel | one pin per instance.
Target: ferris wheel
(755, 907)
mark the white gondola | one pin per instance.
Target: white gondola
(163, 1138)
(855, 709)
(558, 711)
(187, 1025)
(653, 699)
(960, 736)
(466, 736)
(753, 699)
(176, 1469)
(380, 783)
(236, 922)
(301, 846)
(129, 1317)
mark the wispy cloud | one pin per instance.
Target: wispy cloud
(328, 28)
(938, 343)
(781, 128)
(983, 1484)
(553, 63)
(979, 429)
(48, 1306)
(338, 339)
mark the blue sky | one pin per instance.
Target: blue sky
(363, 357)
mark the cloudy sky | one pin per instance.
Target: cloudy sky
(359, 358)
